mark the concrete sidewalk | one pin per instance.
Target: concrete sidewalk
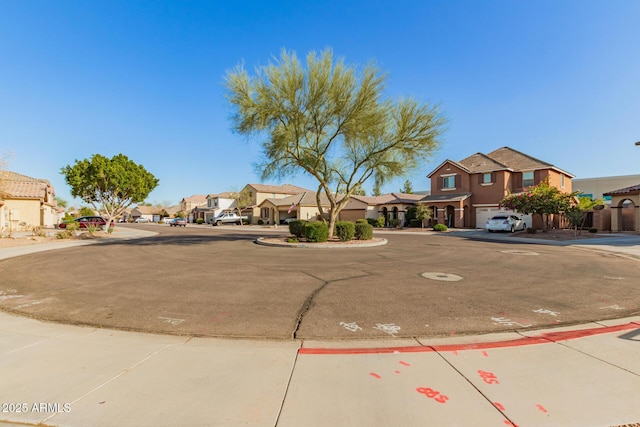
(59, 375)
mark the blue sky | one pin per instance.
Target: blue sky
(559, 80)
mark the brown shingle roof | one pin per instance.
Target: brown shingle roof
(390, 198)
(479, 162)
(516, 160)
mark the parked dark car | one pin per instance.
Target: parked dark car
(86, 221)
(178, 222)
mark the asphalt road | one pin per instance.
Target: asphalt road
(208, 281)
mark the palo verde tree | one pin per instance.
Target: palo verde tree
(329, 120)
(542, 199)
(109, 185)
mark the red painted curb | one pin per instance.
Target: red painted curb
(545, 338)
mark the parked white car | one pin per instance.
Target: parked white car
(505, 222)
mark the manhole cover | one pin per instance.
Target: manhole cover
(517, 252)
(443, 277)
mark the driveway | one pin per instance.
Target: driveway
(207, 281)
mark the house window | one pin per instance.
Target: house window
(449, 181)
(561, 181)
(486, 178)
(527, 179)
(264, 213)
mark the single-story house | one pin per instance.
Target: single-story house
(625, 208)
(26, 202)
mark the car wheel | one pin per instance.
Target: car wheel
(218, 222)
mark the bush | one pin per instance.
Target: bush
(345, 230)
(362, 221)
(372, 222)
(297, 228)
(593, 230)
(394, 223)
(260, 222)
(380, 222)
(199, 221)
(38, 231)
(363, 231)
(440, 227)
(316, 232)
(531, 230)
(292, 240)
(415, 223)
(64, 234)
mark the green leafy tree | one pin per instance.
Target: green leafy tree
(422, 213)
(109, 185)
(330, 121)
(86, 211)
(542, 199)
(61, 202)
(242, 201)
(407, 188)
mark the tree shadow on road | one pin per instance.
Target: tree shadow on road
(178, 240)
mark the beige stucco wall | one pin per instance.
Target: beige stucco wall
(19, 211)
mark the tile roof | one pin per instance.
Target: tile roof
(390, 198)
(446, 197)
(634, 189)
(278, 189)
(15, 185)
(479, 162)
(516, 160)
(196, 198)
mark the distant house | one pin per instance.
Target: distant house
(392, 206)
(26, 202)
(260, 192)
(625, 208)
(151, 213)
(188, 204)
(468, 192)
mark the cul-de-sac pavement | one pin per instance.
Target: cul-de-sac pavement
(163, 326)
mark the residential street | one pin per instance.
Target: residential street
(216, 282)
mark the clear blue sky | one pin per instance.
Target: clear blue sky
(559, 80)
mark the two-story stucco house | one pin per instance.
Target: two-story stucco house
(26, 202)
(260, 192)
(468, 192)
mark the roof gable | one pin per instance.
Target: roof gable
(478, 163)
(451, 162)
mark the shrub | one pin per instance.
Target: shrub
(380, 222)
(362, 221)
(199, 221)
(372, 222)
(38, 231)
(345, 230)
(363, 231)
(316, 231)
(260, 222)
(394, 223)
(292, 240)
(593, 230)
(531, 230)
(297, 228)
(415, 223)
(440, 227)
(64, 234)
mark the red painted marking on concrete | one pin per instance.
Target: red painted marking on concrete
(571, 335)
(485, 354)
(545, 338)
(510, 424)
(540, 407)
(397, 372)
(374, 375)
(404, 363)
(498, 405)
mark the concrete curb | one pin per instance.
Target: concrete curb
(263, 242)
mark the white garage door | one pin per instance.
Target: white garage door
(483, 215)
